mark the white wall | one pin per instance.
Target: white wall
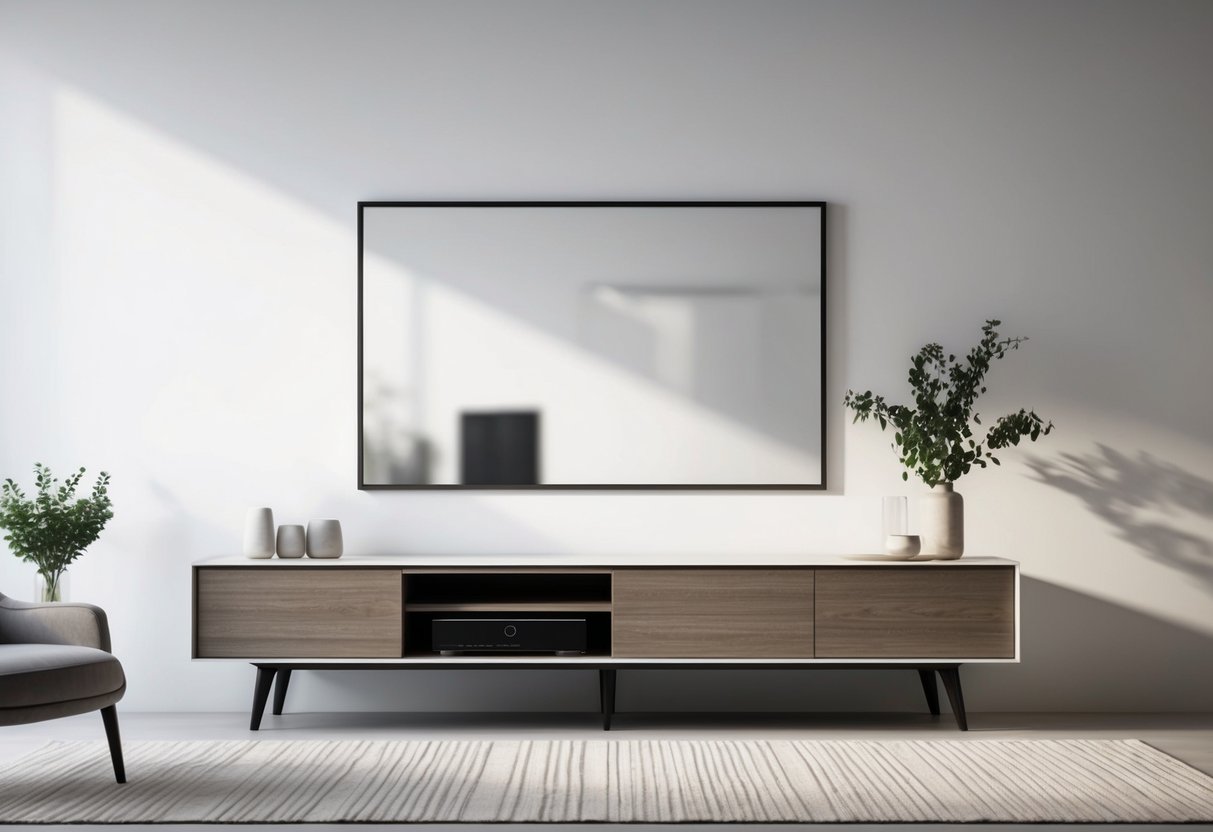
(177, 191)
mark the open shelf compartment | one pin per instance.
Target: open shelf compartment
(513, 592)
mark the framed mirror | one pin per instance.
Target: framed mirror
(591, 345)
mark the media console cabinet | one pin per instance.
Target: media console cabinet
(377, 612)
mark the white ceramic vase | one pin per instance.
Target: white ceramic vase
(291, 541)
(903, 546)
(324, 539)
(259, 533)
(942, 523)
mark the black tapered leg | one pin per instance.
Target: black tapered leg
(927, 677)
(110, 717)
(280, 685)
(606, 697)
(265, 680)
(951, 684)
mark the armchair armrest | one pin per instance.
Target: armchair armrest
(62, 623)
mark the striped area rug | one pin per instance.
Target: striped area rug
(607, 781)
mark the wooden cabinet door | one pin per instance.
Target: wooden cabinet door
(712, 613)
(916, 612)
(298, 613)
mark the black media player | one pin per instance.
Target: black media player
(563, 636)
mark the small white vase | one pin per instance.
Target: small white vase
(324, 539)
(259, 533)
(942, 523)
(904, 546)
(290, 541)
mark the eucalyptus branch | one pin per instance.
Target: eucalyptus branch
(934, 438)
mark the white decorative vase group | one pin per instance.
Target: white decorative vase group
(941, 518)
(321, 539)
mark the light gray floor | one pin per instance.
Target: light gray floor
(1188, 737)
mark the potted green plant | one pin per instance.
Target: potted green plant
(934, 438)
(53, 528)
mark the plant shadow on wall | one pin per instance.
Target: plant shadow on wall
(1147, 500)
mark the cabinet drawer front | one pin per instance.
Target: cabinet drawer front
(268, 612)
(936, 612)
(712, 613)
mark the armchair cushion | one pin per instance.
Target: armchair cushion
(33, 675)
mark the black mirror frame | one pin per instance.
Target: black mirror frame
(363, 205)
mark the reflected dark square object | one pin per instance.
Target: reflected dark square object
(499, 448)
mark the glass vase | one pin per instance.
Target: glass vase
(51, 588)
(895, 515)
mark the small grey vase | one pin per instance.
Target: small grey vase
(324, 539)
(290, 541)
(942, 523)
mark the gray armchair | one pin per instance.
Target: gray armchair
(55, 661)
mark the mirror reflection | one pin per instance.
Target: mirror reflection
(530, 345)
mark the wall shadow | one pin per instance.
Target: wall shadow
(1142, 498)
(1084, 654)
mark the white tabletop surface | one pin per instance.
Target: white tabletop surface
(562, 561)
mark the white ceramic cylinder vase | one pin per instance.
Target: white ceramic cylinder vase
(324, 539)
(291, 542)
(942, 523)
(259, 533)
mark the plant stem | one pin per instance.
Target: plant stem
(51, 592)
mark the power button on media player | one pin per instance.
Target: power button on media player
(510, 631)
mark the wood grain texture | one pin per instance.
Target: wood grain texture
(712, 613)
(936, 612)
(299, 613)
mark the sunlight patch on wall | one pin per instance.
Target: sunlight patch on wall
(204, 308)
